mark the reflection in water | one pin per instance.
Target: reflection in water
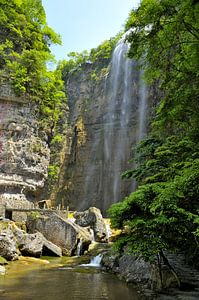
(66, 284)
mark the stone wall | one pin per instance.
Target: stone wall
(24, 154)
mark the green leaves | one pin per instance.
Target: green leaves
(24, 52)
(163, 212)
(76, 59)
(165, 38)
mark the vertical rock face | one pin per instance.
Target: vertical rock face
(106, 113)
(24, 155)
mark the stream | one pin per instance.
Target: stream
(31, 279)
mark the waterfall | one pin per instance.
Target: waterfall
(79, 247)
(119, 114)
(123, 110)
(142, 108)
(94, 262)
(92, 235)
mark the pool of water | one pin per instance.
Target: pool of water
(63, 283)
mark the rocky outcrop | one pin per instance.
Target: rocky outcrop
(8, 245)
(15, 242)
(63, 233)
(24, 154)
(91, 174)
(93, 218)
(148, 276)
(87, 109)
(34, 244)
(31, 244)
(174, 280)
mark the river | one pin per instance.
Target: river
(26, 280)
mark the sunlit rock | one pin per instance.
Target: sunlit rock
(63, 233)
(93, 218)
(24, 155)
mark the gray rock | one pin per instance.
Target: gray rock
(63, 233)
(136, 270)
(50, 249)
(24, 155)
(8, 246)
(93, 218)
(131, 268)
(35, 244)
(32, 244)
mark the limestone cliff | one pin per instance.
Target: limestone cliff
(24, 154)
(90, 177)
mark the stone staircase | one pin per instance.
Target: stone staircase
(189, 278)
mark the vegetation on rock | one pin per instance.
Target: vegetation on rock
(77, 60)
(24, 57)
(163, 213)
(24, 54)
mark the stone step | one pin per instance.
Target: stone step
(188, 276)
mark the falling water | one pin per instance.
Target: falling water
(142, 108)
(116, 139)
(124, 121)
(79, 248)
(94, 262)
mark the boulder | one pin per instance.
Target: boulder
(92, 217)
(129, 267)
(135, 269)
(8, 246)
(63, 233)
(50, 249)
(34, 244)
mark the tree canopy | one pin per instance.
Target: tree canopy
(163, 213)
(78, 59)
(24, 54)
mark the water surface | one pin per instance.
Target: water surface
(64, 283)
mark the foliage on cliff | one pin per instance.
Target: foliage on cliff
(78, 59)
(24, 54)
(164, 211)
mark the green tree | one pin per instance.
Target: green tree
(24, 54)
(165, 39)
(163, 213)
(78, 59)
(25, 41)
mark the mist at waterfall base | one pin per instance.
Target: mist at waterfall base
(124, 126)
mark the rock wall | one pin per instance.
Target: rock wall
(85, 173)
(24, 154)
(86, 100)
(147, 276)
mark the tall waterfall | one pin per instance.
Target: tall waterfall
(114, 111)
(116, 140)
(127, 106)
(124, 124)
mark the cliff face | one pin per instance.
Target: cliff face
(88, 173)
(24, 154)
(86, 102)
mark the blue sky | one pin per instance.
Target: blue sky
(84, 24)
